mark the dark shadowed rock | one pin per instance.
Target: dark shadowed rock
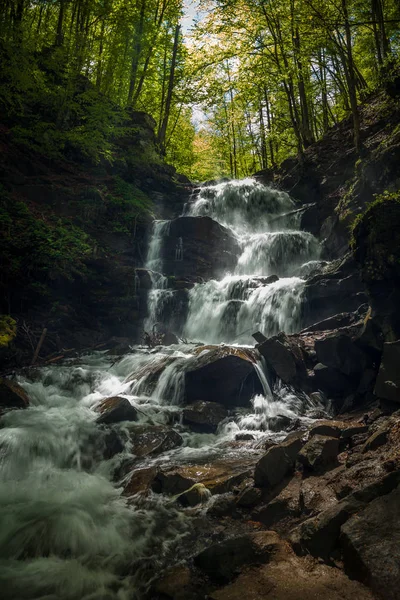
(319, 451)
(198, 245)
(197, 494)
(331, 381)
(371, 545)
(12, 395)
(277, 463)
(140, 481)
(377, 439)
(388, 381)
(284, 506)
(204, 416)
(114, 410)
(340, 352)
(249, 497)
(319, 535)
(223, 561)
(285, 356)
(224, 375)
(219, 477)
(153, 439)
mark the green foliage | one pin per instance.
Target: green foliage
(8, 330)
(127, 206)
(39, 249)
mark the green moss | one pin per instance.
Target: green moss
(375, 238)
(8, 330)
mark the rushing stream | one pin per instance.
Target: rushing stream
(66, 531)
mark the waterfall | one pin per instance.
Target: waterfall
(231, 309)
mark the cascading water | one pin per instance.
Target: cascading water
(66, 533)
(231, 309)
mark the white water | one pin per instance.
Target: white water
(66, 533)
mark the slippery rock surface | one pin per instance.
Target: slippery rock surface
(114, 410)
(204, 416)
(371, 545)
(286, 358)
(200, 246)
(12, 395)
(222, 374)
(153, 439)
(219, 477)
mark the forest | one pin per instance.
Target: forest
(267, 77)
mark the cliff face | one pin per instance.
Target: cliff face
(73, 234)
(338, 183)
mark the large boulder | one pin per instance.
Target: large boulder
(376, 244)
(222, 561)
(114, 410)
(388, 382)
(319, 451)
(225, 375)
(332, 381)
(153, 439)
(198, 245)
(277, 463)
(12, 395)
(338, 286)
(204, 417)
(285, 355)
(339, 351)
(219, 477)
(371, 545)
(285, 576)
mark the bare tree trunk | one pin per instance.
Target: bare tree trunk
(164, 124)
(351, 79)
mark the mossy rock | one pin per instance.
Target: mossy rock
(8, 330)
(376, 239)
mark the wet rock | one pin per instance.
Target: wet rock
(285, 356)
(282, 507)
(316, 495)
(287, 577)
(319, 535)
(113, 444)
(154, 439)
(244, 437)
(114, 410)
(277, 463)
(12, 395)
(225, 375)
(197, 494)
(223, 506)
(371, 545)
(281, 422)
(388, 381)
(327, 428)
(377, 439)
(223, 561)
(353, 429)
(198, 245)
(339, 351)
(140, 481)
(175, 584)
(331, 381)
(219, 477)
(249, 497)
(204, 416)
(319, 451)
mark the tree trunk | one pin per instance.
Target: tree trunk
(168, 101)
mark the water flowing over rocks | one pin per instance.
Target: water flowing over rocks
(202, 465)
